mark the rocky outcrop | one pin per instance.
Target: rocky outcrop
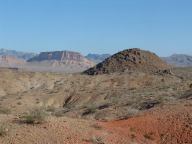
(58, 56)
(57, 61)
(129, 60)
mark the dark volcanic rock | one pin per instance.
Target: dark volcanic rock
(129, 60)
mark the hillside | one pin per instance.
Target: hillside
(150, 108)
(179, 60)
(10, 61)
(97, 58)
(59, 61)
(129, 60)
(17, 54)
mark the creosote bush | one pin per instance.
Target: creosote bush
(36, 116)
(3, 130)
(4, 110)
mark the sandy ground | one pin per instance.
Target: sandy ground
(106, 97)
(163, 125)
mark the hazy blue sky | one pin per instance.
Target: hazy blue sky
(97, 26)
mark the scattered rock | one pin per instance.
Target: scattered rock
(148, 104)
(130, 60)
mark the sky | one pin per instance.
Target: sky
(97, 26)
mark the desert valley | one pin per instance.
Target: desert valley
(63, 97)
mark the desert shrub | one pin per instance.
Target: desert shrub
(3, 130)
(35, 116)
(90, 110)
(96, 126)
(4, 110)
(19, 103)
(50, 109)
(148, 136)
(60, 112)
(190, 86)
(97, 140)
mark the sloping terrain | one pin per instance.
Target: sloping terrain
(10, 61)
(169, 124)
(129, 60)
(140, 108)
(17, 54)
(114, 96)
(97, 58)
(179, 60)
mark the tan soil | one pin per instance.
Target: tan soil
(164, 125)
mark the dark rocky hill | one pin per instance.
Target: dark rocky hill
(129, 60)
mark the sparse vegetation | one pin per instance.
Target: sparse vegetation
(190, 86)
(19, 103)
(96, 126)
(148, 136)
(3, 130)
(90, 110)
(133, 136)
(4, 110)
(35, 116)
(97, 140)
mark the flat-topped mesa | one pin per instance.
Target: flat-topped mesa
(58, 56)
(133, 59)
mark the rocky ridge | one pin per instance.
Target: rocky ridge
(128, 60)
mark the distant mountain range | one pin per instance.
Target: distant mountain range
(62, 58)
(97, 58)
(53, 61)
(17, 54)
(179, 60)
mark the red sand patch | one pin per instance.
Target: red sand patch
(169, 125)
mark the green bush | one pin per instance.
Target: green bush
(36, 116)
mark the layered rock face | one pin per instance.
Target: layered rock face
(58, 56)
(59, 61)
